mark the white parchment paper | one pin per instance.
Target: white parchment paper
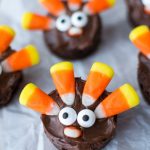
(21, 128)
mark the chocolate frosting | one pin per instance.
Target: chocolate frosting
(136, 14)
(8, 81)
(66, 46)
(144, 76)
(92, 138)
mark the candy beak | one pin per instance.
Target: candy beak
(72, 132)
(75, 32)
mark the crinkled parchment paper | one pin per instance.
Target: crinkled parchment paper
(21, 128)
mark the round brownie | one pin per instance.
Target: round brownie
(75, 47)
(93, 138)
(8, 81)
(136, 13)
(144, 76)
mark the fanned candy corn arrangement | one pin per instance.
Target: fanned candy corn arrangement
(76, 116)
(57, 8)
(12, 62)
(72, 19)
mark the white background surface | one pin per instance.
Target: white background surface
(21, 128)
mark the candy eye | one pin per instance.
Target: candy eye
(0, 69)
(67, 116)
(63, 23)
(79, 19)
(86, 118)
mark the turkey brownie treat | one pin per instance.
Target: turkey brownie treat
(80, 115)
(140, 37)
(12, 63)
(139, 12)
(72, 29)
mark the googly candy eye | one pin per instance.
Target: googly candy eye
(86, 118)
(79, 19)
(67, 116)
(0, 69)
(63, 23)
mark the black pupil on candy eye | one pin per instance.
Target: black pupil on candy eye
(79, 18)
(65, 115)
(85, 118)
(63, 21)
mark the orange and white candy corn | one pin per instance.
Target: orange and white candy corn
(74, 4)
(63, 78)
(97, 6)
(140, 37)
(22, 59)
(34, 98)
(7, 34)
(55, 7)
(99, 77)
(72, 132)
(117, 102)
(36, 22)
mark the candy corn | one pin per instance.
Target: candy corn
(74, 4)
(34, 98)
(55, 7)
(96, 6)
(63, 78)
(119, 101)
(99, 77)
(22, 59)
(7, 34)
(72, 132)
(36, 22)
(140, 37)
